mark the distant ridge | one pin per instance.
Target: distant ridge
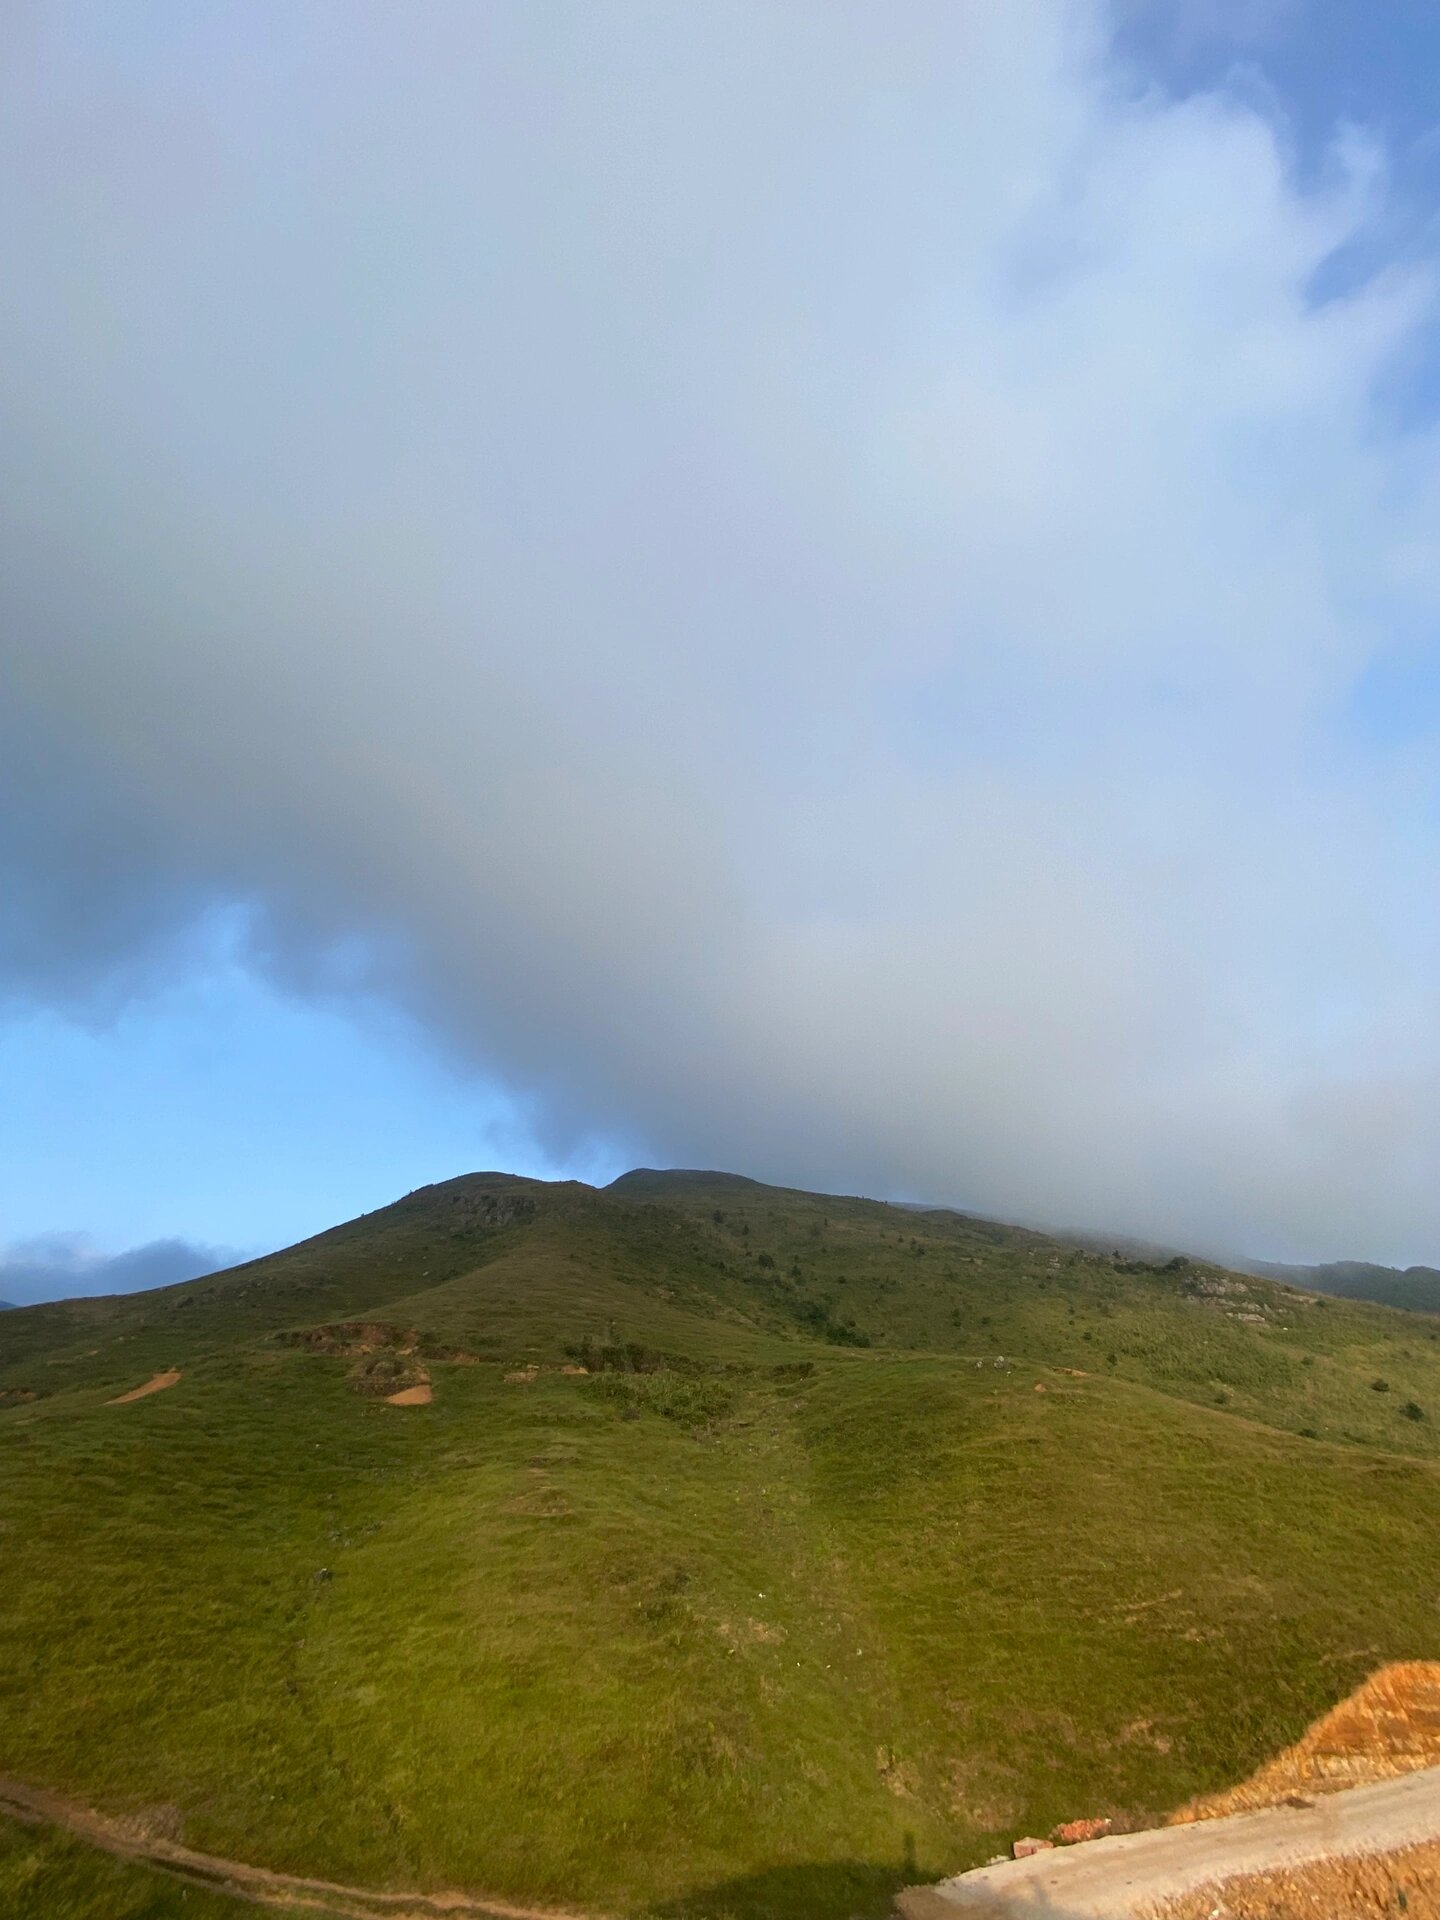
(1415, 1288)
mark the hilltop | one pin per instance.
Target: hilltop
(686, 1547)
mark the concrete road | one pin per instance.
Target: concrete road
(1128, 1873)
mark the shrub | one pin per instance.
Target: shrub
(689, 1403)
(841, 1333)
(1412, 1410)
(1380, 1386)
(765, 1260)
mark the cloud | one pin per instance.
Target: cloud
(795, 580)
(60, 1266)
(1231, 24)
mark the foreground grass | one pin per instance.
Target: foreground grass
(50, 1876)
(748, 1621)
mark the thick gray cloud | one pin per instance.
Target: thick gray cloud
(798, 576)
(60, 1266)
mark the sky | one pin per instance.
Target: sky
(845, 592)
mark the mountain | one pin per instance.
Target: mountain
(1417, 1289)
(685, 1548)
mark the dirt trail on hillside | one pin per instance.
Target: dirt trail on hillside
(35, 1807)
(157, 1383)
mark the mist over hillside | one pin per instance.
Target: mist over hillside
(56, 1266)
(627, 660)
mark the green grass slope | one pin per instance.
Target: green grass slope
(865, 1540)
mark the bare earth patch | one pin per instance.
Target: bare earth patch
(1407, 1881)
(1390, 1725)
(156, 1384)
(416, 1396)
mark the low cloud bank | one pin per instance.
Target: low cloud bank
(60, 1266)
(837, 591)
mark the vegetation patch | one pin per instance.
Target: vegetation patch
(692, 1401)
(351, 1338)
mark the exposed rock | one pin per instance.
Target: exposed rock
(1071, 1831)
(1022, 1849)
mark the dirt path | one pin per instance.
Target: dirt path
(1132, 1873)
(156, 1384)
(287, 1891)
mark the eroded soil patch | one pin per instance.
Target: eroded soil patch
(419, 1395)
(1390, 1725)
(156, 1384)
(1406, 1882)
(389, 1362)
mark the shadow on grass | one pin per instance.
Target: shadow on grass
(832, 1890)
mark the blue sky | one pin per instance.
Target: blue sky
(844, 592)
(289, 1095)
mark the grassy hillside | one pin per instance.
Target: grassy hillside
(756, 1552)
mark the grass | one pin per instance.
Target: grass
(50, 1876)
(750, 1618)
